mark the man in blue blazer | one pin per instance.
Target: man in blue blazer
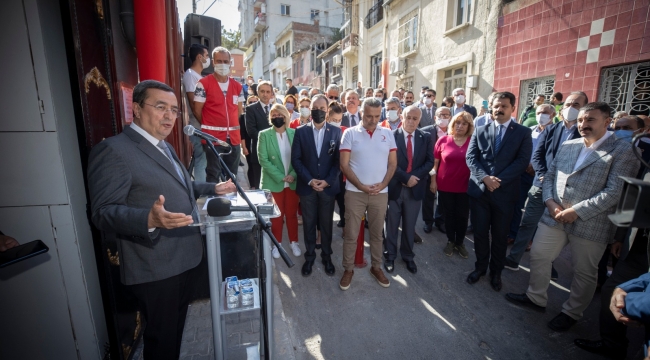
(407, 187)
(315, 158)
(497, 156)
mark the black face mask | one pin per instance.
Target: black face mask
(318, 116)
(278, 122)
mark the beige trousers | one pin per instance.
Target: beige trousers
(356, 204)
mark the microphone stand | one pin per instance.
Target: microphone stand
(266, 227)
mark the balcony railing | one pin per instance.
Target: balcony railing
(350, 40)
(260, 22)
(375, 14)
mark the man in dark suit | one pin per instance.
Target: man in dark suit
(142, 196)
(460, 99)
(315, 158)
(497, 156)
(407, 188)
(548, 144)
(257, 119)
(352, 117)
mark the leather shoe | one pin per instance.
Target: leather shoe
(441, 228)
(389, 265)
(599, 347)
(306, 268)
(417, 239)
(427, 228)
(475, 276)
(329, 267)
(561, 322)
(522, 299)
(495, 280)
(340, 223)
(411, 267)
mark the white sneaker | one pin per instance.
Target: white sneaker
(296, 249)
(275, 252)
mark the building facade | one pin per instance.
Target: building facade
(331, 66)
(261, 21)
(237, 65)
(599, 47)
(409, 43)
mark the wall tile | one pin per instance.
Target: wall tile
(581, 58)
(633, 47)
(612, 9)
(619, 50)
(576, 83)
(645, 48)
(631, 58)
(625, 6)
(524, 57)
(583, 30)
(599, 12)
(605, 53)
(566, 9)
(636, 31)
(610, 23)
(591, 69)
(586, 16)
(594, 41)
(641, 4)
(621, 35)
(639, 15)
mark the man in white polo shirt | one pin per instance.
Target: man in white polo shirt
(368, 160)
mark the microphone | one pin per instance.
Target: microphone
(190, 130)
(219, 207)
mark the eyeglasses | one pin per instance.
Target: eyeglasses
(429, 95)
(444, 116)
(162, 109)
(333, 97)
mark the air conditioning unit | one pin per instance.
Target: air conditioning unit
(397, 66)
(337, 60)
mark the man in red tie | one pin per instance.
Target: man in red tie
(407, 188)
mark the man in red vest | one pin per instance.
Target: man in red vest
(218, 100)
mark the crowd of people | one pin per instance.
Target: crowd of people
(384, 158)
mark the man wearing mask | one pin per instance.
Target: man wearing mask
(423, 92)
(257, 119)
(393, 110)
(430, 212)
(379, 95)
(429, 108)
(459, 99)
(528, 116)
(351, 117)
(200, 61)
(218, 102)
(409, 98)
(291, 90)
(315, 158)
(247, 86)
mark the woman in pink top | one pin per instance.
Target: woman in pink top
(449, 177)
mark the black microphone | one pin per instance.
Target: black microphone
(190, 130)
(219, 207)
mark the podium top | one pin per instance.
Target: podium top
(236, 217)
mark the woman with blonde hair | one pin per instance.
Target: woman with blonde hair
(450, 177)
(278, 176)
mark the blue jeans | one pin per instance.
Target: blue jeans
(533, 213)
(200, 160)
(525, 183)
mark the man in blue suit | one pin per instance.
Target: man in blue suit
(497, 156)
(315, 158)
(407, 188)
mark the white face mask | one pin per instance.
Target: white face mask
(427, 101)
(543, 119)
(250, 81)
(206, 64)
(570, 114)
(392, 115)
(305, 112)
(337, 124)
(460, 99)
(222, 69)
(442, 122)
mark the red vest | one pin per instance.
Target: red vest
(386, 124)
(218, 120)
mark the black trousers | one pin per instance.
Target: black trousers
(254, 172)
(214, 172)
(455, 208)
(490, 216)
(317, 209)
(340, 197)
(429, 216)
(163, 304)
(635, 264)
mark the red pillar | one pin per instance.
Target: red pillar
(151, 39)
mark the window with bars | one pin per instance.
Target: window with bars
(626, 88)
(530, 88)
(454, 78)
(355, 75)
(375, 14)
(408, 33)
(375, 69)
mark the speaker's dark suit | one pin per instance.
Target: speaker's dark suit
(126, 174)
(547, 146)
(317, 206)
(492, 211)
(256, 121)
(403, 201)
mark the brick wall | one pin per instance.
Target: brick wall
(570, 39)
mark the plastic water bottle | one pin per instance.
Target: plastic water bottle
(247, 296)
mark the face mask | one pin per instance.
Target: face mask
(379, 97)
(570, 114)
(289, 106)
(278, 122)
(460, 99)
(250, 82)
(442, 122)
(427, 101)
(304, 112)
(392, 115)
(317, 116)
(337, 124)
(543, 119)
(206, 64)
(222, 69)
(624, 134)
